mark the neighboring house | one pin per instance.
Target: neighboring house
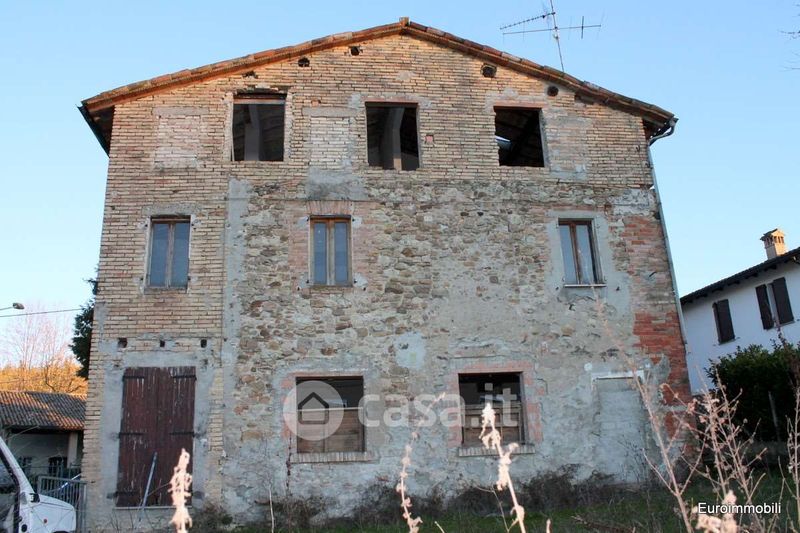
(44, 431)
(753, 306)
(374, 216)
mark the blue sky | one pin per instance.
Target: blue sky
(724, 68)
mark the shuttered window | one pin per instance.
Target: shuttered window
(722, 316)
(782, 305)
(504, 392)
(329, 415)
(764, 307)
(157, 422)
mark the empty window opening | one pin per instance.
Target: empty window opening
(519, 137)
(722, 318)
(169, 253)
(330, 264)
(392, 136)
(577, 249)
(504, 392)
(774, 304)
(329, 415)
(258, 128)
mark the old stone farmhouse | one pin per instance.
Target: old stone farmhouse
(395, 212)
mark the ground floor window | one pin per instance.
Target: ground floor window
(504, 392)
(157, 422)
(328, 415)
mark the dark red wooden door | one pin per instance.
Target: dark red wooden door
(157, 422)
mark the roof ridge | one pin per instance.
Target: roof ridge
(93, 108)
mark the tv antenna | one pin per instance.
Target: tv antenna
(549, 16)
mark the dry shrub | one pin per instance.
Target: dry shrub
(211, 519)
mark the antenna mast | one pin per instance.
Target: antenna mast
(554, 30)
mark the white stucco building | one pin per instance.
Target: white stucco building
(750, 307)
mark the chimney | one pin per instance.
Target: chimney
(774, 243)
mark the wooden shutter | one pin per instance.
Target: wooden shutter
(157, 418)
(763, 307)
(722, 315)
(782, 304)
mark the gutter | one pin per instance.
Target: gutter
(95, 128)
(667, 130)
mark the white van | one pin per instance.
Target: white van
(24, 511)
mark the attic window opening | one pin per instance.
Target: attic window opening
(392, 137)
(518, 134)
(258, 128)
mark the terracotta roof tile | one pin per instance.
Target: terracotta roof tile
(43, 410)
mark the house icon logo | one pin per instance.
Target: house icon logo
(313, 410)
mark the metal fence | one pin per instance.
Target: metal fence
(70, 490)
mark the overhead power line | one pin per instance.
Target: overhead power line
(42, 312)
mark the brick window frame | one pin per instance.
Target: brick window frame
(332, 279)
(172, 222)
(579, 270)
(510, 423)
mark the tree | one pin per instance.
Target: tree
(35, 354)
(82, 332)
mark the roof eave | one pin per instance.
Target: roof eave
(654, 116)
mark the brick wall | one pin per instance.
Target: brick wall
(459, 260)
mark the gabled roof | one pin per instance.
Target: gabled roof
(42, 410)
(98, 110)
(769, 264)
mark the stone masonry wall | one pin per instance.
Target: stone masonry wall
(457, 269)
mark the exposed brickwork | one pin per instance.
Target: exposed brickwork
(457, 268)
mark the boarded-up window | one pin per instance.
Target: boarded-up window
(157, 422)
(330, 237)
(783, 306)
(764, 307)
(577, 249)
(519, 137)
(258, 127)
(722, 317)
(503, 391)
(329, 415)
(392, 136)
(168, 265)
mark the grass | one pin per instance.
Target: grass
(652, 510)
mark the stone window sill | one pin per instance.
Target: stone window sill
(333, 457)
(480, 451)
(585, 286)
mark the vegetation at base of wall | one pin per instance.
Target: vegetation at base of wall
(597, 506)
(82, 332)
(763, 381)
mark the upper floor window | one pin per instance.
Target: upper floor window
(722, 317)
(519, 136)
(580, 264)
(258, 127)
(773, 303)
(330, 237)
(392, 136)
(168, 265)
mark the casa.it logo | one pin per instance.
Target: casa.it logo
(313, 410)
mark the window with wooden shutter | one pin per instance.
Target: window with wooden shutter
(722, 316)
(157, 422)
(783, 307)
(337, 401)
(763, 307)
(503, 391)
